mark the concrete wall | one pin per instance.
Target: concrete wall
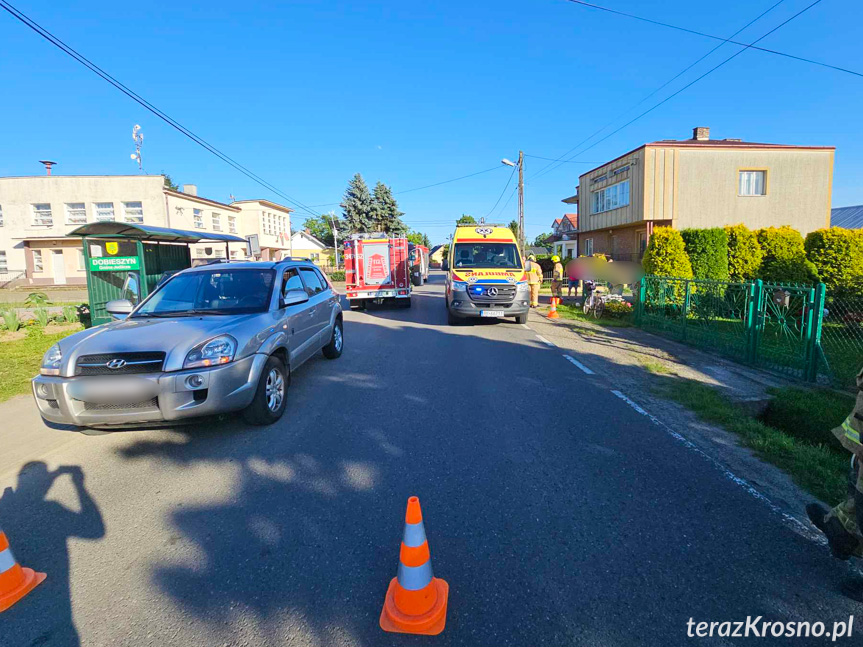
(798, 193)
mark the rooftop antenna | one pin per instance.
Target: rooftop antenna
(138, 137)
(48, 164)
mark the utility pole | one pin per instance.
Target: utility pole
(335, 238)
(521, 200)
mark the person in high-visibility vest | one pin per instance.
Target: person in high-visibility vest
(534, 279)
(843, 524)
(556, 277)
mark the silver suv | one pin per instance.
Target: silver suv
(209, 340)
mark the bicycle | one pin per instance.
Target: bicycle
(596, 303)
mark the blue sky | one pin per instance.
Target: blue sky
(308, 93)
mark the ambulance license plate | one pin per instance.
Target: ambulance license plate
(491, 313)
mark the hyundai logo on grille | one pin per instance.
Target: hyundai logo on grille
(492, 292)
(116, 364)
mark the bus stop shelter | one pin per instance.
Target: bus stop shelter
(127, 261)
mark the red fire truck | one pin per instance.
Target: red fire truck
(419, 255)
(377, 268)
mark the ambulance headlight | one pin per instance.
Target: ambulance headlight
(459, 286)
(522, 286)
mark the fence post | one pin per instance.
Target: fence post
(686, 299)
(642, 295)
(814, 322)
(753, 309)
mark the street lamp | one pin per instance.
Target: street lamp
(520, 166)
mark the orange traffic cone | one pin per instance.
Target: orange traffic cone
(552, 314)
(15, 581)
(416, 599)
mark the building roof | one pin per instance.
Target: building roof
(572, 218)
(271, 205)
(202, 200)
(848, 217)
(556, 222)
(710, 144)
(573, 199)
(539, 251)
(308, 237)
(150, 232)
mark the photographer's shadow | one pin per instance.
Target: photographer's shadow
(38, 530)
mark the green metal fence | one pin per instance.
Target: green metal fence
(798, 330)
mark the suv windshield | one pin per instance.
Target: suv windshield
(502, 255)
(223, 291)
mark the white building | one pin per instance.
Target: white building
(37, 213)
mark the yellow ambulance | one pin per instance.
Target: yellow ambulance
(486, 275)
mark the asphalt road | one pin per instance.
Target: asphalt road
(558, 514)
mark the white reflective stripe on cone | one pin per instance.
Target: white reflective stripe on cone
(414, 578)
(415, 534)
(7, 560)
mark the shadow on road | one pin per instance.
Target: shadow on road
(39, 530)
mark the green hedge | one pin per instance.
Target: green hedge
(785, 257)
(337, 277)
(838, 256)
(666, 254)
(708, 252)
(744, 253)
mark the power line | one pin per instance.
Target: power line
(701, 33)
(500, 197)
(54, 40)
(419, 188)
(561, 159)
(691, 83)
(555, 159)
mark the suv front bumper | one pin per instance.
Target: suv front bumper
(168, 396)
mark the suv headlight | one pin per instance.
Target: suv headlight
(51, 361)
(219, 350)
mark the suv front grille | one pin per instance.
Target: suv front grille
(505, 293)
(139, 362)
(152, 403)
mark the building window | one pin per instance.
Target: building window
(104, 211)
(588, 246)
(4, 266)
(217, 222)
(234, 254)
(752, 183)
(232, 224)
(37, 261)
(76, 213)
(198, 215)
(611, 197)
(42, 214)
(133, 212)
(80, 260)
(1, 215)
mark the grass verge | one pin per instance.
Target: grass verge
(20, 359)
(805, 449)
(575, 312)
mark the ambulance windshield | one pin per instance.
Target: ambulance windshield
(499, 255)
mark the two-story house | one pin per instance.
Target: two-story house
(701, 182)
(37, 213)
(564, 236)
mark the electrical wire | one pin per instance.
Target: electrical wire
(500, 197)
(54, 40)
(691, 83)
(705, 35)
(561, 160)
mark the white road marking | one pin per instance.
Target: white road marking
(792, 522)
(578, 364)
(545, 341)
(525, 326)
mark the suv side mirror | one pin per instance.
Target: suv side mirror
(119, 308)
(293, 297)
